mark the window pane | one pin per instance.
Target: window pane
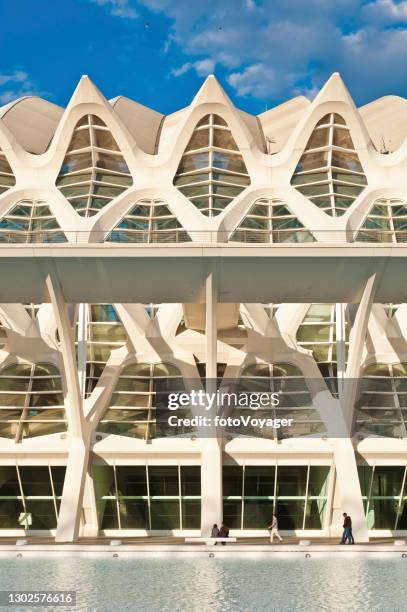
(165, 514)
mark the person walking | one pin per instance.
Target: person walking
(224, 532)
(347, 530)
(274, 530)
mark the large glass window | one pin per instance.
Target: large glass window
(384, 496)
(99, 327)
(318, 333)
(30, 496)
(31, 401)
(294, 401)
(329, 172)
(140, 390)
(386, 221)
(211, 172)
(297, 494)
(149, 221)
(381, 408)
(271, 221)
(94, 171)
(148, 497)
(30, 221)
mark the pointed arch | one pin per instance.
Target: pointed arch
(386, 221)
(271, 221)
(30, 221)
(148, 221)
(94, 171)
(329, 172)
(212, 171)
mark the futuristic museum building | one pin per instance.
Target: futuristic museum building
(206, 249)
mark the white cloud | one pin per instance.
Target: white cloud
(274, 49)
(17, 85)
(119, 8)
(201, 67)
(386, 11)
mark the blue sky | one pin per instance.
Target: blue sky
(158, 52)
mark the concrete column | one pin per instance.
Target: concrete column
(211, 454)
(348, 496)
(78, 457)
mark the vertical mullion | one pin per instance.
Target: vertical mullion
(306, 497)
(117, 496)
(148, 495)
(242, 492)
(22, 494)
(370, 492)
(179, 496)
(275, 487)
(25, 407)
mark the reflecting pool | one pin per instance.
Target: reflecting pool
(213, 584)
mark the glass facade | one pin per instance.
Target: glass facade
(294, 401)
(318, 333)
(7, 178)
(102, 332)
(148, 497)
(271, 221)
(30, 496)
(30, 221)
(329, 172)
(211, 172)
(149, 221)
(381, 409)
(386, 221)
(296, 494)
(142, 388)
(31, 401)
(94, 171)
(384, 496)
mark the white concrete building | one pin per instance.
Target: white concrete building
(139, 250)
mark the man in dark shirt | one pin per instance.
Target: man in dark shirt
(347, 530)
(224, 532)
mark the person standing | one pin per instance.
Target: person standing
(274, 530)
(224, 532)
(347, 530)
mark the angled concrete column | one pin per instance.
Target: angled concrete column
(78, 458)
(357, 339)
(211, 454)
(348, 496)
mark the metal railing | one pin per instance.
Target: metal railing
(236, 237)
